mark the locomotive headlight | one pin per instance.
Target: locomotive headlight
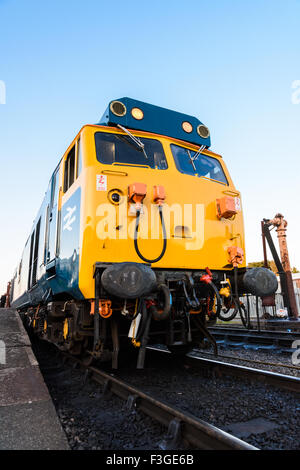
(203, 131)
(187, 127)
(118, 108)
(115, 196)
(137, 113)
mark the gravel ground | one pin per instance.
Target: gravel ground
(90, 420)
(225, 401)
(94, 422)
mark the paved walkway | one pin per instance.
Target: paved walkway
(28, 418)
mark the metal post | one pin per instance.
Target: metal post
(257, 314)
(248, 306)
(116, 345)
(264, 244)
(96, 312)
(248, 314)
(144, 342)
(281, 272)
(280, 223)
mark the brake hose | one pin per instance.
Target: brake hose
(138, 213)
(218, 298)
(142, 325)
(236, 291)
(164, 314)
(236, 294)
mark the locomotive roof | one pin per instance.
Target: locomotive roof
(138, 115)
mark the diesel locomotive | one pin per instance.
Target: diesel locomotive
(139, 239)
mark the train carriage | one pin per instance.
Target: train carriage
(139, 238)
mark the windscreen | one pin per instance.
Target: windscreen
(202, 165)
(117, 148)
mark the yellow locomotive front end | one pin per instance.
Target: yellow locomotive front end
(139, 239)
(162, 226)
(202, 212)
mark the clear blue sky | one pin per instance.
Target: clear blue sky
(230, 63)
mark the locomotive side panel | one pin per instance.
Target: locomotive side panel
(62, 265)
(68, 259)
(50, 260)
(27, 285)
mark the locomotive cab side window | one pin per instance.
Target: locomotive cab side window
(46, 234)
(30, 261)
(52, 218)
(54, 188)
(33, 258)
(19, 271)
(202, 165)
(122, 150)
(36, 252)
(69, 172)
(79, 158)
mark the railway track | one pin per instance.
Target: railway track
(185, 429)
(277, 325)
(253, 361)
(285, 382)
(265, 338)
(282, 381)
(181, 425)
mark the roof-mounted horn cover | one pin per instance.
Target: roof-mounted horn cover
(137, 115)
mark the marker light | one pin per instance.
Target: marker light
(118, 108)
(203, 131)
(187, 127)
(137, 113)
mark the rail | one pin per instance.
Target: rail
(192, 430)
(282, 381)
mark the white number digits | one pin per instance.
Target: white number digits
(296, 354)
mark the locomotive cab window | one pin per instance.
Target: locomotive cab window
(79, 158)
(33, 258)
(54, 188)
(69, 169)
(121, 149)
(201, 165)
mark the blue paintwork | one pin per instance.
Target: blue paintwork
(53, 222)
(156, 119)
(67, 264)
(63, 275)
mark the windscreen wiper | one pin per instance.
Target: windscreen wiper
(199, 151)
(191, 160)
(136, 140)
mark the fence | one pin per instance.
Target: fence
(270, 310)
